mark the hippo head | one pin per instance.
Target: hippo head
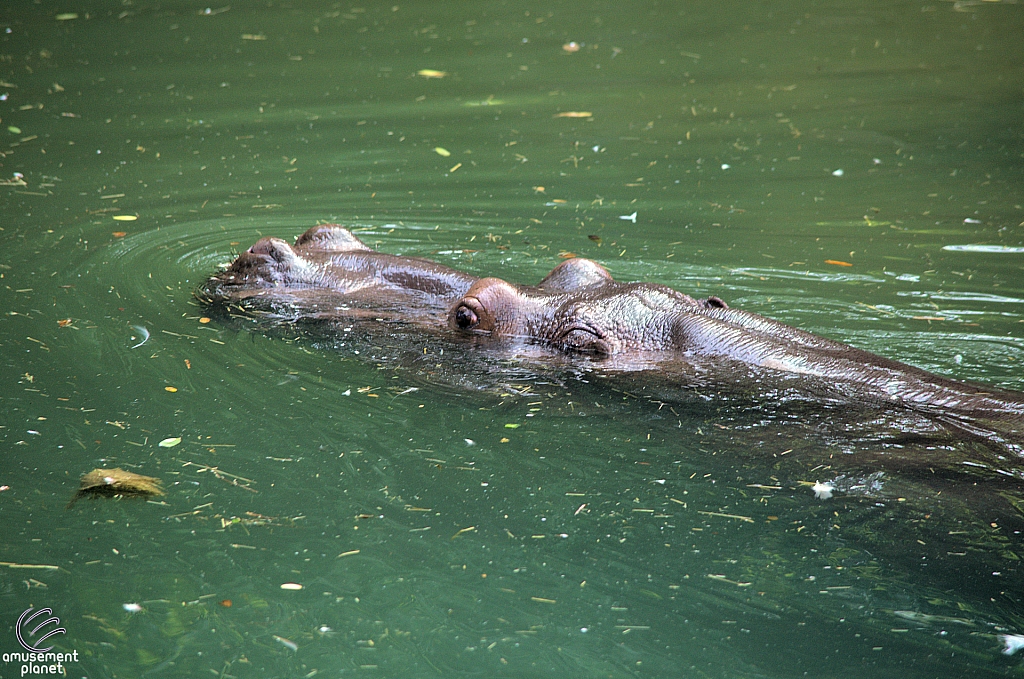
(269, 262)
(579, 308)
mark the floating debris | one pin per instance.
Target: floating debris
(294, 586)
(925, 618)
(233, 479)
(628, 218)
(727, 516)
(722, 578)
(822, 491)
(117, 481)
(996, 249)
(574, 114)
(1011, 643)
(132, 608)
(287, 643)
(170, 443)
(431, 73)
(143, 334)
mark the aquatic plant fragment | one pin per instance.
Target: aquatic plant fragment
(117, 481)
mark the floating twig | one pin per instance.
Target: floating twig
(727, 516)
(233, 479)
(43, 566)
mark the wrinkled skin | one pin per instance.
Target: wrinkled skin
(579, 309)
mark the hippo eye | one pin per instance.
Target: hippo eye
(465, 318)
(585, 340)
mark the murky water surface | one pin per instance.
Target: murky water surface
(852, 168)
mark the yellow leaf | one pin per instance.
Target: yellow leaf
(431, 73)
(442, 151)
(574, 114)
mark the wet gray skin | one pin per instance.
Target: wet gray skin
(330, 273)
(579, 309)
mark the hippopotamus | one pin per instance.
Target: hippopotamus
(578, 309)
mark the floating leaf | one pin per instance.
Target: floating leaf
(574, 114)
(442, 151)
(836, 262)
(511, 426)
(171, 389)
(431, 73)
(170, 443)
(13, 130)
(291, 585)
(67, 16)
(125, 218)
(118, 234)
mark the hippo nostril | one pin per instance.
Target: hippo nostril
(465, 318)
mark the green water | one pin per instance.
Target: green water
(546, 525)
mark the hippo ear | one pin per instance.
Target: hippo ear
(330, 238)
(276, 249)
(575, 274)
